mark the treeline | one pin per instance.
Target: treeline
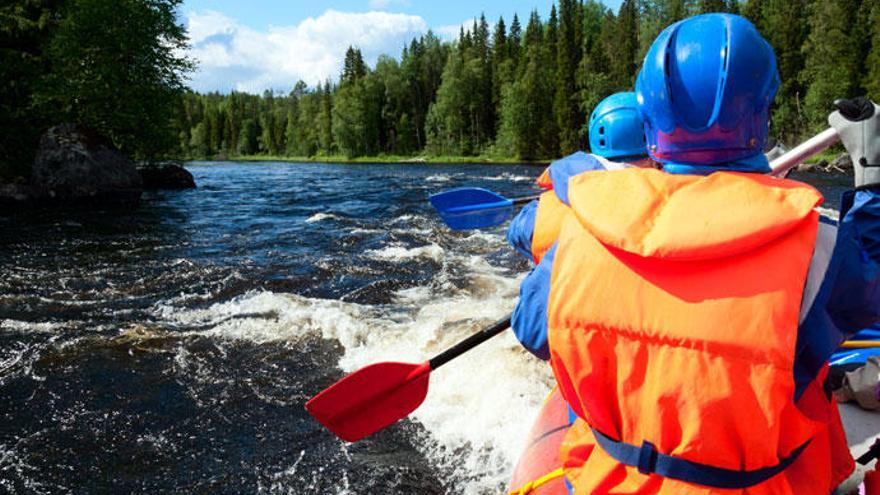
(112, 65)
(526, 93)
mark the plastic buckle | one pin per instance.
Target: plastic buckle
(647, 458)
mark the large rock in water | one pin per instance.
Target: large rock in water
(166, 175)
(75, 164)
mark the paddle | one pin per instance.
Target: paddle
(381, 394)
(475, 208)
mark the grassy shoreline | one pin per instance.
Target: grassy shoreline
(379, 159)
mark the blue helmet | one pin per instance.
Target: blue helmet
(705, 91)
(616, 129)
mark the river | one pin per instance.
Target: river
(171, 348)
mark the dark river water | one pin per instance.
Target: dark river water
(172, 348)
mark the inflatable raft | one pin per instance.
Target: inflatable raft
(539, 470)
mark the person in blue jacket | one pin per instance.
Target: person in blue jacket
(617, 140)
(842, 293)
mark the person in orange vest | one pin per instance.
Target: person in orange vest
(617, 141)
(689, 326)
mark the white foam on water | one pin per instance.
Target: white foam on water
(438, 178)
(317, 217)
(32, 327)
(276, 317)
(401, 253)
(479, 408)
(508, 177)
(360, 230)
(404, 218)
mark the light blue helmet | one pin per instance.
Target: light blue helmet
(616, 129)
(705, 91)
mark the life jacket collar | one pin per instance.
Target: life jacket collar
(640, 211)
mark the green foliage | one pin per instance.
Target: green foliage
(568, 113)
(871, 81)
(247, 140)
(116, 68)
(831, 70)
(624, 63)
(113, 65)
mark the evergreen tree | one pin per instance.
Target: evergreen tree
(353, 67)
(514, 41)
(597, 82)
(786, 28)
(247, 142)
(447, 123)
(830, 70)
(568, 56)
(625, 45)
(502, 72)
(753, 10)
(871, 81)
(707, 6)
(528, 126)
(861, 33)
(482, 109)
(325, 120)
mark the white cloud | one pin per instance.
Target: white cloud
(233, 56)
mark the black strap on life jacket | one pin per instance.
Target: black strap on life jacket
(648, 461)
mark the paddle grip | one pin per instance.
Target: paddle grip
(469, 343)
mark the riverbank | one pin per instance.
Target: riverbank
(381, 159)
(827, 156)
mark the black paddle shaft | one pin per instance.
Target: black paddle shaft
(469, 343)
(525, 200)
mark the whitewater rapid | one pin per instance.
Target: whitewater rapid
(479, 407)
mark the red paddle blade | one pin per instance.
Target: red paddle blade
(370, 399)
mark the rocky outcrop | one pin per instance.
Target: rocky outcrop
(842, 163)
(165, 175)
(73, 164)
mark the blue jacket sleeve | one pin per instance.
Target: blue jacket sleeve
(848, 298)
(562, 170)
(529, 320)
(519, 233)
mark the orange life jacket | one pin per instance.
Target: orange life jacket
(673, 316)
(548, 220)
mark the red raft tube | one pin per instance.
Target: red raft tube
(539, 470)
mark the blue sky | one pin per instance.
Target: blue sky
(270, 44)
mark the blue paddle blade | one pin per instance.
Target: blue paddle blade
(472, 208)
